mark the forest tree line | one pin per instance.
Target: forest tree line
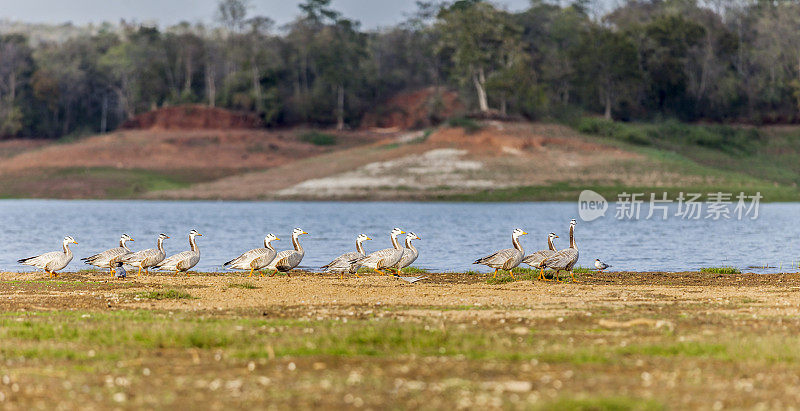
(710, 60)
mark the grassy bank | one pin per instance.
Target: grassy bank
(617, 341)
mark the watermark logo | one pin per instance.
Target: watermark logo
(591, 205)
(686, 206)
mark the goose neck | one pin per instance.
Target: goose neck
(193, 244)
(572, 238)
(517, 245)
(550, 244)
(410, 246)
(360, 247)
(296, 243)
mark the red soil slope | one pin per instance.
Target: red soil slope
(416, 109)
(193, 117)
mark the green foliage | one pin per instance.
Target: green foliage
(721, 270)
(669, 134)
(244, 286)
(668, 59)
(469, 125)
(167, 294)
(318, 139)
(414, 270)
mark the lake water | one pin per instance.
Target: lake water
(453, 234)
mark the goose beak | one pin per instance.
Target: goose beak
(76, 243)
(167, 237)
(131, 239)
(369, 238)
(417, 237)
(304, 232)
(402, 232)
(277, 239)
(524, 233)
(556, 237)
(199, 235)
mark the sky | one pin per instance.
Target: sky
(371, 13)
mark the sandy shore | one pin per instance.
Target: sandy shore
(219, 291)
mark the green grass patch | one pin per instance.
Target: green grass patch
(469, 125)
(569, 191)
(414, 270)
(170, 294)
(671, 133)
(721, 270)
(532, 274)
(318, 138)
(245, 286)
(601, 404)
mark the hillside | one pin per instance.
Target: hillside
(487, 161)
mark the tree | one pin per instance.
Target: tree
(16, 65)
(608, 65)
(340, 48)
(476, 37)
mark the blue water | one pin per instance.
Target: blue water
(453, 234)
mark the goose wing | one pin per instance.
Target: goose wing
(188, 261)
(263, 260)
(139, 256)
(561, 259)
(173, 262)
(286, 260)
(535, 259)
(105, 258)
(498, 259)
(243, 261)
(40, 261)
(409, 256)
(382, 258)
(343, 262)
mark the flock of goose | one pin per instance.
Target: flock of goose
(392, 259)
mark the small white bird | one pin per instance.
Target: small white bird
(600, 265)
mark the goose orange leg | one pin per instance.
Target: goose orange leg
(541, 275)
(573, 277)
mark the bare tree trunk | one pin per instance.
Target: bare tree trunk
(187, 81)
(479, 79)
(256, 83)
(12, 80)
(211, 87)
(340, 108)
(104, 114)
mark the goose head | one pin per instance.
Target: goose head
(194, 233)
(517, 233)
(572, 223)
(297, 232)
(552, 236)
(362, 237)
(68, 239)
(396, 231)
(125, 238)
(412, 236)
(270, 238)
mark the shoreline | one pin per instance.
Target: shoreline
(613, 341)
